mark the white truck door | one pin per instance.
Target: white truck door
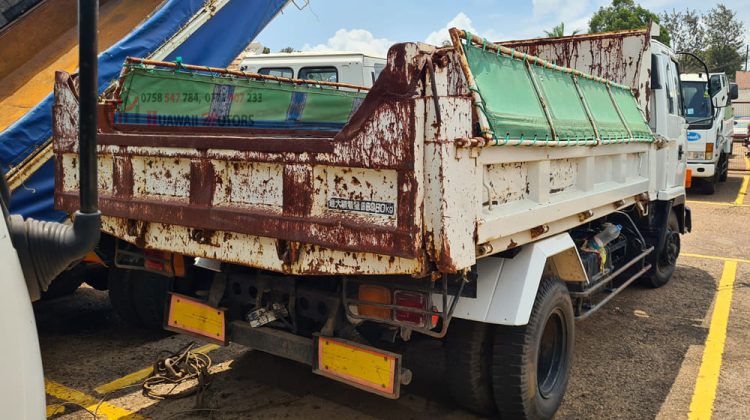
(673, 157)
(727, 123)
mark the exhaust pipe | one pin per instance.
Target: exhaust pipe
(46, 249)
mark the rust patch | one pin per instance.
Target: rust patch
(585, 215)
(298, 190)
(202, 182)
(122, 177)
(538, 231)
(137, 229)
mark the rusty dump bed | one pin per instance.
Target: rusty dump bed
(408, 186)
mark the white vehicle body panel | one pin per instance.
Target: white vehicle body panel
(506, 287)
(353, 68)
(22, 392)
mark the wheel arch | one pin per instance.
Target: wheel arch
(507, 287)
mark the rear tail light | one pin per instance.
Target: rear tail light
(414, 300)
(709, 151)
(377, 294)
(688, 178)
(157, 261)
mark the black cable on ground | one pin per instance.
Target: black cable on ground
(176, 370)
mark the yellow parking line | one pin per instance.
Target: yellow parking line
(138, 376)
(743, 190)
(704, 394)
(55, 409)
(717, 203)
(101, 408)
(711, 257)
(745, 180)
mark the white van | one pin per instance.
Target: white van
(342, 67)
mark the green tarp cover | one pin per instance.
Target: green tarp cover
(168, 97)
(514, 110)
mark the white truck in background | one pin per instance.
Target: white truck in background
(708, 112)
(338, 67)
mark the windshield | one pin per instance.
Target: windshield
(697, 102)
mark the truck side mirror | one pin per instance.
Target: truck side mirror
(734, 92)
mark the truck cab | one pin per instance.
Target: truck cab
(706, 99)
(666, 118)
(338, 67)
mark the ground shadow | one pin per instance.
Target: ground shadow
(726, 192)
(627, 358)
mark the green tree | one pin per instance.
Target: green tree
(725, 36)
(266, 50)
(288, 50)
(622, 15)
(559, 31)
(687, 33)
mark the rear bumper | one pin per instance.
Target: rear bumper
(357, 358)
(702, 170)
(276, 342)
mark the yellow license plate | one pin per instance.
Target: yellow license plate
(191, 316)
(361, 366)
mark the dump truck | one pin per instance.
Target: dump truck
(477, 195)
(708, 111)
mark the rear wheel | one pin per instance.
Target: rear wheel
(139, 297)
(531, 363)
(150, 294)
(65, 284)
(469, 355)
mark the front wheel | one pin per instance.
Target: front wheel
(531, 364)
(723, 167)
(664, 267)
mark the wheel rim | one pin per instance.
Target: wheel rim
(551, 353)
(671, 249)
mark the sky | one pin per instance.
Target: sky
(372, 26)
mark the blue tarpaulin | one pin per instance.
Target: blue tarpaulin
(216, 43)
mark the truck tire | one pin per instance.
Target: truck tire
(96, 276)
(531, 363)
(468, 350)
(139, 297)
(664, 267)
(66, 283)
(723, 167)
(709, 185)
(150, 295)
(120, 296)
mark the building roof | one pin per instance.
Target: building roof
(743, 79)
